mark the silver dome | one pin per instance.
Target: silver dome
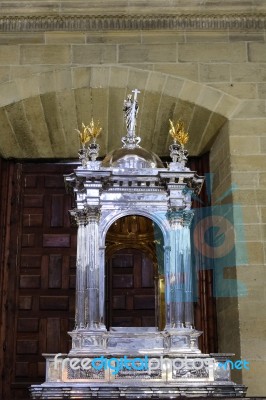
(132, 158)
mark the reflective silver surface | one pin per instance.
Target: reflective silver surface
(132, 181)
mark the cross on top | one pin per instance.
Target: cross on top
(136, 92)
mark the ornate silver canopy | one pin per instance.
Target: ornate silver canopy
(134, 181)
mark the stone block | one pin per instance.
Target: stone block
(147, 53)
(245, 179)
(250, 214)
(242, 145)
(149, 67)
(214, 72)
(247, 127)
(28, 90)
(9, 55)
(100, 77)
(213, 52)
(240, 90)
(156, 82)
(64, 37)
(138, 78)
(261, 196)
(252, 232)
(114, 37)
(245, 197)
(81, 77)
(248, 72)
(263, 214)
(9, 146)
(248, 163)
(255, 253)
(207, 37)
(63, 79)
(4, 74)
(173, 86)
(190, 91)
(161, 37)
(44, 54)
(119, 77)
(47, 82)
(251, 109)
(261, 90)
(262, 179)
(187, 70)
(257, 52)
(246, 36)
(263, 144)
(227, 106)
(93, 54)
(23, 71)
(209, 98)
(9, 93)
(20, 38)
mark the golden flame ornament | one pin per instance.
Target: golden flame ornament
(94, 129)
(178, 132)
(84, 134)
(89, 132)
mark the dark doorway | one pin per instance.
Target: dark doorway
(134, 273)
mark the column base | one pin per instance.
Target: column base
(183, 340)
(85, 340)
(124, 340)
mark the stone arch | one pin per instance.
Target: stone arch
(39, 113)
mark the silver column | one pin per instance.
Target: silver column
(188, 273)
(180, 273)
(80, 217)
(168, 313)
(102, 287)
(175, 276)
(92, 268)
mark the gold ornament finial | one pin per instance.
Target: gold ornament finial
(94, 129)
(178, 132)
(84, 135)
(89, 132)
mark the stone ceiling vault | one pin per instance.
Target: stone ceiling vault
(39, 114)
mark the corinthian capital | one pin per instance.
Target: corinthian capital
(178, 218)
(85, 215)
(78, 217)
(93, 213)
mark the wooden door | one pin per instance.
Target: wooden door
(38, 266)
(130, 289)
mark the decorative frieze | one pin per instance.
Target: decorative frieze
(132, 22)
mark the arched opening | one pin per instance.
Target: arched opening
(134, 273)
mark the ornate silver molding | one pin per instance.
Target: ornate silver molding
(132, 22)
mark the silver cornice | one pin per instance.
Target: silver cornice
(132, 22)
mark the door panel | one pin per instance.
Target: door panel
(131, 289)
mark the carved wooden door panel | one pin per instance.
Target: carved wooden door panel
(39, 294)
(130, 289)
